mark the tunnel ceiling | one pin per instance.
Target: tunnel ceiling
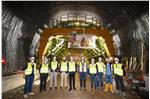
(39, 13)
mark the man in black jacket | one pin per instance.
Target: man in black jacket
(72, 70)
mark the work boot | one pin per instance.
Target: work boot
(50, 88)
(55, 87)
(31, 93)
(74, 88)
(111, 88)
(106, 88)
(25, 96)
(70, 89)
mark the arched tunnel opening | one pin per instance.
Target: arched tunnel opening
(78, 29)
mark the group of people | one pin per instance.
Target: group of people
(97, 71)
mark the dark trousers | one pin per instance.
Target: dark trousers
(72, 79)
(93, 80)
(100, 79)
(43, 80)
(119, 83)
(82, 79)
(28, 84)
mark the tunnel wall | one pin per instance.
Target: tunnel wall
(135, 33)
(12, 45)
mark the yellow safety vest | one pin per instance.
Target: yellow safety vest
(54, 65)
(100, 66)
(28, 71)
(92, 69)
(118, 69)
(63, 66)
(72, 67)
(44, 68)
(84, 67)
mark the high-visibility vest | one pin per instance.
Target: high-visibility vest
(84, 67)
(118, 69)
(63, 66)
(92, 69)
(54, 65)
(72, 67)
(28, 71)
(44, 68)
(100, 66)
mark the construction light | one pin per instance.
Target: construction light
(46, 26)
(40, 30)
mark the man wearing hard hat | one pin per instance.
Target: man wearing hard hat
(64, 72)
(118, 73)
(101, 68)
(28, 73)
(82, 71)
(108, 75)
(54, 72)
(93, 73)
(72, 70)
(43, 70)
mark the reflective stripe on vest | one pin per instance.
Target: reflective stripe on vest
(84, 67)
(44, 68)
(28, 71)
(72, 67)
(54, 65)
(100, 67)
(118, 69)
(63, 66)
(92, 69)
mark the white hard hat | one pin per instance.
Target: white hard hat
(64, 58)
(116, 59)
(92, 59)
(107, 59)
(32, 58)
(100, 58)
(71, 57)
(82, 58)
(54, 57)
